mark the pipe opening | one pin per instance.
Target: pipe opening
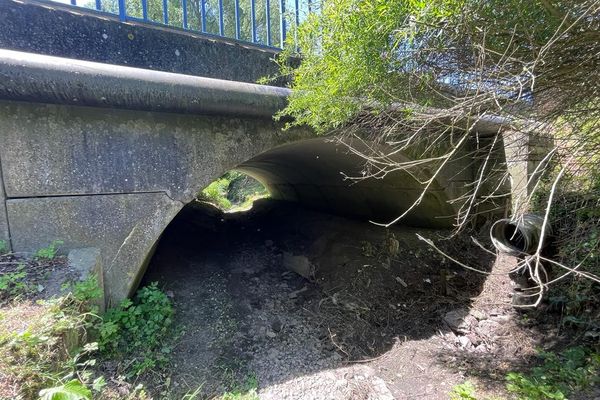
(517, 237)
(514, 236)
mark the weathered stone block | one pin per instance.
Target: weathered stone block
(88, 262)
(125, 227)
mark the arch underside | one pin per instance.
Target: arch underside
(317, 173)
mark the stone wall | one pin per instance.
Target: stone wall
(78, 33)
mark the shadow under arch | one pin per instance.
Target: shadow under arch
(206, 255)
(246, 313)
(311, 172)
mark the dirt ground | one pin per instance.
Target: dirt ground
(314, 306)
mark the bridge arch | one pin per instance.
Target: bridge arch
(110, 155)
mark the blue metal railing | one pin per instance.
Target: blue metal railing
(261, 22)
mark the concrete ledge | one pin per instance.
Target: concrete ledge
(45, 79)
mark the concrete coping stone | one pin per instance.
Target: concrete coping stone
(56, 80)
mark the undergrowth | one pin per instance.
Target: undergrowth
(53, 350)
(57, 356)
(575, 242)
(569, 372)
(572, 371)
(13, 284)
(139, 330)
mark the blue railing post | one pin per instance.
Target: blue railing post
(145, 10)
(297, 5)
(268, 17)
(237, 19)
(221, 21)
(165, 12)
(122, 11)
(203, 15)
(99, 5)
(253, 20)
(282, 26)
(184, 13)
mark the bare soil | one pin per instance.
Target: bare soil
(370, 319)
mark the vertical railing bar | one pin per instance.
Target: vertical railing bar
(99, 5)
(203, 15)
(297, 5)
(122, 11)
(221, 19)
(73, 2)
(237, 19)
(253, 18)
(297, 10)
(309, 5)
(282, 26)
(165, 12)
(145, 10)
(268, 17)
(185, 16)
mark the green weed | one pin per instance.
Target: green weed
(463, 391)
(246, 390)
(13, 284)
(86, 290)
(216, 193)
(3, 247)
(139, 329)
(49, 252)
(571, 371)
(51, 350)
(73, 390)
(234, 191)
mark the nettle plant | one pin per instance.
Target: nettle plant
(139, 329)
(49, 253)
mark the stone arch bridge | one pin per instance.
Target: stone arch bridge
(103, 155)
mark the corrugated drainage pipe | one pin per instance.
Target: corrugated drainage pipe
(517, 237)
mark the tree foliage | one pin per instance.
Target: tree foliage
(419, 77)
(439, 52)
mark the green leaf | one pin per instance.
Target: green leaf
(73, 390)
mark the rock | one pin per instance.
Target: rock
(478, 314)
(464, 342)
(380, 390)
(459, 320)
(276, 325)
(269, 243)
(401, 281)
(298, 264)
(295, 293)
(488, 328)
(475, 340)
(481, 348)
(271, 334)
(501, 318)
